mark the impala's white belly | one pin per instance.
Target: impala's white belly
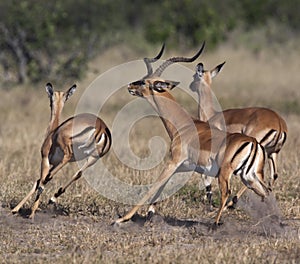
(210, 169)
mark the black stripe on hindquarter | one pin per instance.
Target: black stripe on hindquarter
(253, 157)
(107, 142)
(284, 138)
(280, 142)
(108, 133)
(103, 145)
(239, 150)
(245, 161)
(267, 136)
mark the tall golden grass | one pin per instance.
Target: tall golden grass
(267, 78)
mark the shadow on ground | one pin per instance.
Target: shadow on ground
(265, 220)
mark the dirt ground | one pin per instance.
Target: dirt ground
(54, 236)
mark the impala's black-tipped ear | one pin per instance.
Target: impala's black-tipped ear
(216, 70)
(49, 90)
(172, 84)
(70, 92)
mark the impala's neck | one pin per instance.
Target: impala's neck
(56, 109)
(205, 106)
(173, 116)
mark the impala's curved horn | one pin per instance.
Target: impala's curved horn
(170, 61)
(148, 61)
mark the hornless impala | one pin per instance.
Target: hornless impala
(84, 136)
(266, 126)
(197, 147)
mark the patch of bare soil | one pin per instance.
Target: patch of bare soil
(54, 234)
(265, 220)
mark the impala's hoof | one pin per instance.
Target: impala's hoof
(235, 200)
(232, 204)
(40, 189)
(117, 222)
(14, 211)
(31, 216)
(150, 215)
(52, 200)
(215, 226)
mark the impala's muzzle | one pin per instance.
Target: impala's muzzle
(134, 88)
(131, 89)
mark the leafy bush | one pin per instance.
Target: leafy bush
(57, 38)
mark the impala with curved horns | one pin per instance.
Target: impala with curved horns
(265, 125)
(81, 137)
(197, 147)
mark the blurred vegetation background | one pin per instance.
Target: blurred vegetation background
(56, 39)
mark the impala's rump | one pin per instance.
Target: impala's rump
(250, 159)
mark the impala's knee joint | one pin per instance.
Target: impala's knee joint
(40, 189)
(78, 175)
(59, 192)
(47, 179)
(208, 189)
(235, 199)
(208, 192)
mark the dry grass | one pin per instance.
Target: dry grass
(78, 229)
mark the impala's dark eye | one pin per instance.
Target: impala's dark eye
(159, 84)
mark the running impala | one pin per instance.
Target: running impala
(265, 125)
(81, 137)
(195, 146)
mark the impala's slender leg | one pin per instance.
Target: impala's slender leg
(36, 185)
(151, 209)
(46, 178)
(207, 183)
(20, 204)
(224, 185)
(155, 189)
(90, 161)
(272, 158)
